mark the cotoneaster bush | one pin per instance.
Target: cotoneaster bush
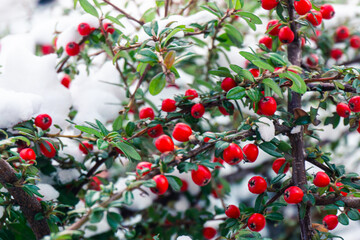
(234, 154)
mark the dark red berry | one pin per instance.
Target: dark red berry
(43, 121)
(256, 222)
(209, 232)
(355, 42)
(85, 147)
(330, 221)
(278, 163)
(267, 41)
(314, 17)
(255, 72)
(184, 186)
(293, 195)
(286, 35)
(342, 33)
(302, 6)
(156, 131)
(312, 60)
(191, 94)
(232, 211)
(251, 152)
(72, 49)
(162, 184)
(48, 150)
(146, 112)
(321, 179)
(267, 106)
(257, 185)
(168, 105)
(343, 110)
(340, 186)
(201, 176)
(182, 132)
(227, 84)
(327, 11)
(223, 110)
(109, 28)
(197, 110)
(219, 160)
(164, 144)
(233, 154)
(336, 53)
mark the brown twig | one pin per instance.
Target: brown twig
(141, 22)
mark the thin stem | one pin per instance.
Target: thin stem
(141, 22)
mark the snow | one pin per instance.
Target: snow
(47, 191)
(67, 175)
(266, 129)
(184, 238)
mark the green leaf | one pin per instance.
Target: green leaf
(275, 57)
(96, 215)
(102, 128)
(343, 219)
(114, 219)
(234, 35)
(270, 149)
(88, 8)
(157, 84)
(246, 74)
(91, 197)
(174, 182)
(221, 72)
(253, 18)
(263, 65)
(146, 55)
(89, 130)
(115, 20)
(236, 93)
(277, 178)
(303, 120)
(129, 129)
(117, 124)
(171, 34)
(249, 56)
(273, 85)
(353, 214)
(275, 216)
(128, 150)
(298, 85)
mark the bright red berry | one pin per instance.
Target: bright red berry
(223, 110)
(303, 41)
(330, 221)
(278, 163)
(256, 222)
(274, 25)
(312, 60)
(43, 121)
(340, 186)
(286, 35)
(209, 232)
(191, 94)
(84, 29)
(342, 33)
(201, 176)
(48, 150)
(267, 106)
(336, 53)
(66, 80)
(255, 72)
(197, 110)
(269, 4)
(85, 147)
(28, 155)
(182, 132)
(321, 179)
(233, 154)
(109, 28)
(95, 183)
(314, 17)
(327, 11)
(162, 184)
(156, 131)
(302, 6)
(184, 186)
(354, 104)
(164, 144)
(47, 49)
(251, 152)
(232, 211)
(72, 49)
(257, 185)
(267, 41)
(293, 195)
(142, 166)
(355, 42)
(343, 110)
(146, 112)
(168, 105)
(227, 84)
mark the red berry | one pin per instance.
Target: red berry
(286, 35)
(147, 113)
(44, 149)
(156, 131)
(256, 222)
(340, 186)
(343, 110)
(43, 121)
(72, 49)
(182, 132)
(257, 185)
(321, 179)
(355, 42)
(303, 41)
(164, 144)
(251, 152)
(28, 155)
(327, 11)
(197, 110)
(267, 106)
(141, 166)
(184, 186)
(232, 211)
(336, 53)
(330, 221)
(95, 184)
(274, 26)
(342, 33)
(191, 94)
(201, 176)
(233, 154)
(302, 6)
(278, 163)
(66, 80)
(314, 17)
(109, 28)
(47, 49)
(354, 104)
(85, 147)
(255, 72)
(223, 110)
(312, 60)
(219, 160)
(358, 129)
(168, 105)
(269, 4)
(84, 29)
(227, 84)
(162, 184)
(293, 195)
(267, 41)
(209, 232)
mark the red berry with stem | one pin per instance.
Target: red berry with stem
(156, 131)
(168, 105)
(184, 186)
(224, 111)
(209, 232)
(340, 186)
(66, 80)
(293, 195)
(232, 211)
(227, 84)
(314, 17)
(267, 106)
(43, 121)
(278, 163)
(257, 185)
(251, 152)
(201, 176)
(255, 72)
(47, 149)
(85, 147)
(269, 4)
(327, 11)
(197, 110)
(336, 53)
(146, 112)
(84, 29)
(182, 132)
(233, 154)
(144, 167)
(256, 222)
(302, 6)
(109, 28)
(342, 33)
(191, 94)
(355, 42)
(330, 221)
(72, 49)
(28, 155)
(321, 179)
(343, 110)
(274, 25)
(312, 60)
(164, 144)
(354, 104)
(267, 41)
(162, 184)
(286, 35)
